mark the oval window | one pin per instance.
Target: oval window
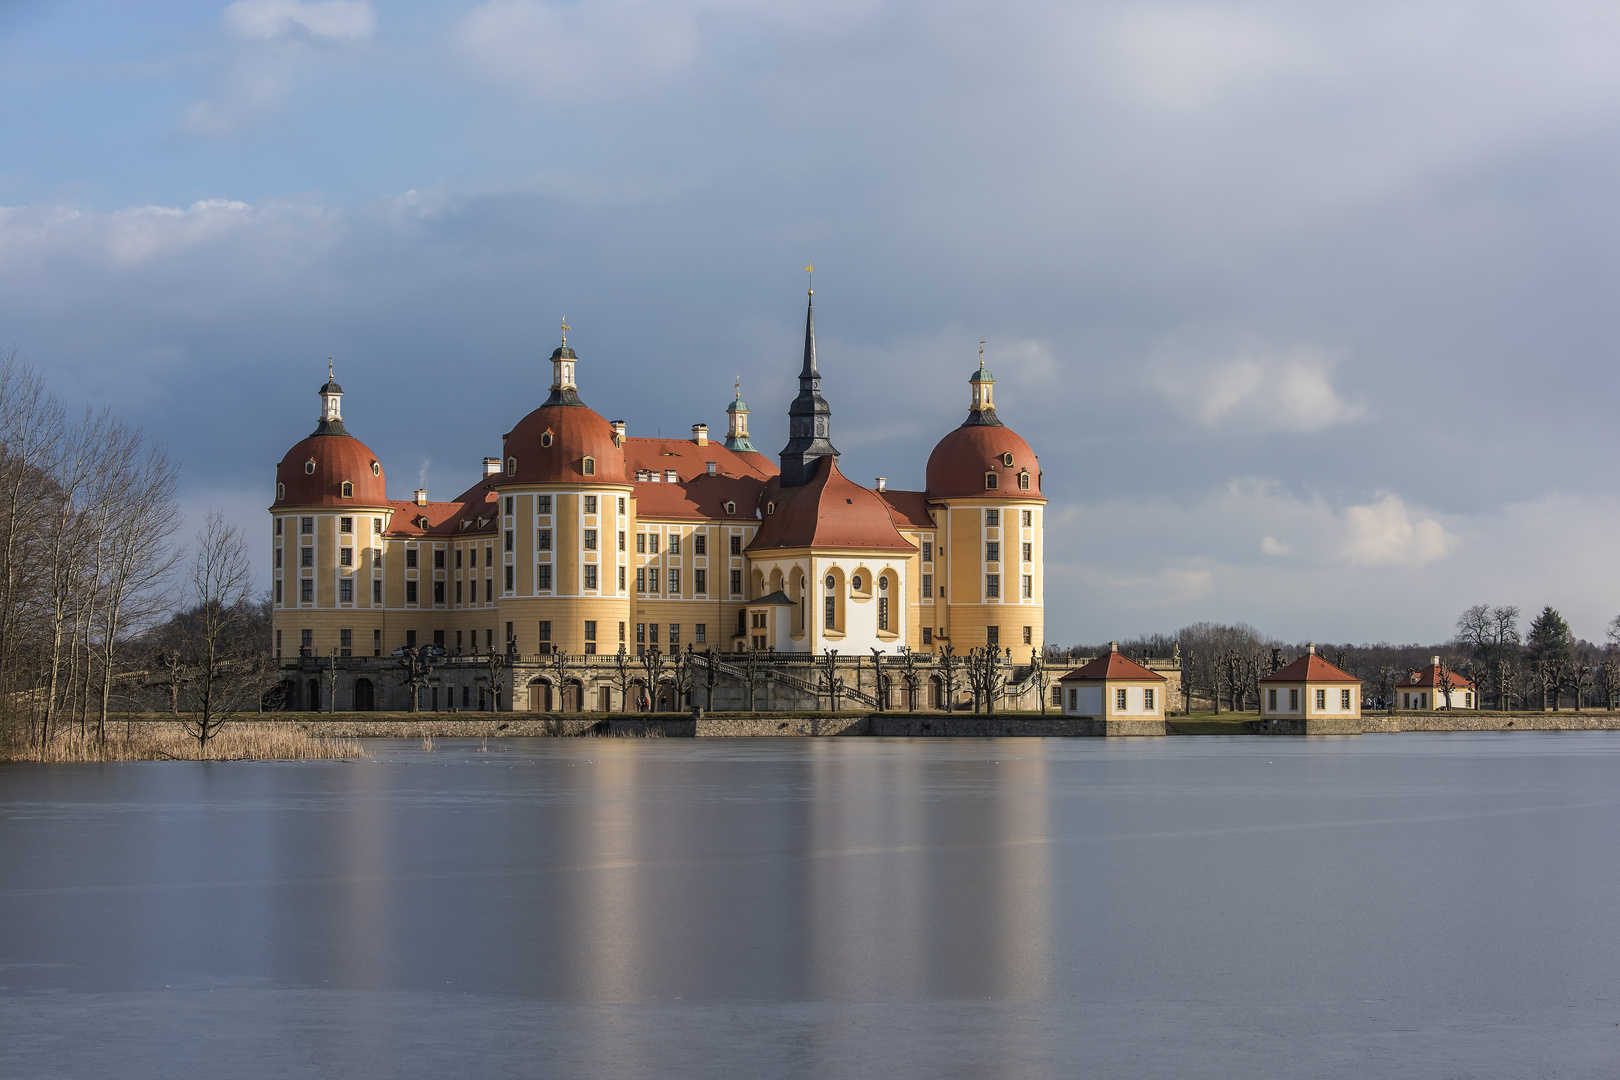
(855, 582)
(883, 584)
(831, 582)
(309, 467)
(545, 439)
(376, 469)
(1006, 459)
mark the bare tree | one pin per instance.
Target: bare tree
(652, 662)
(560, 666)
(1038, 672)
(231, 666)
(711, 675)
(330, 677)
(496, 665)
(623, 676)
(415, 666)
(949, 662)
(1445, 682)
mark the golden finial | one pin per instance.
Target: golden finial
(981, 352)
(329, 376)
(739, 387)
(565, 330)
(811, 270)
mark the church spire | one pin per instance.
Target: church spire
(809, 417)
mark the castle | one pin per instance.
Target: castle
(583, 540)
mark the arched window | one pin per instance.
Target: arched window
(989, 481)
(545, 438)
(309, 467)
(511, 466)
(281, 492)
(770, 508)
(731, 507)
(1023, 480)
(590, 466)
(347, 490)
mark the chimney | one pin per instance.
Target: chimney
(883, 483)
(1113, 646)
(1434, 660)
(1311, 649)
(618, 429)
(711, 466)
(492, 465)
(421, 496)
(700, 434)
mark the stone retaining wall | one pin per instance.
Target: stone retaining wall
(1463, 720)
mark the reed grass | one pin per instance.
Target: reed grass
(168, 741)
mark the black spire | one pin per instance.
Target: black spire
(809, 417)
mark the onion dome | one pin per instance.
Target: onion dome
(737, 424)
(563, 441)
(330, 467)
(983, 457)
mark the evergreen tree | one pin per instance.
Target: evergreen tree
(1549, 637)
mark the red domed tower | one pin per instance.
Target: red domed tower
(328, 519)
(987, 482)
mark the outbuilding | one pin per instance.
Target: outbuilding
(1114, 695)
(1433, 688)
(1310, 697)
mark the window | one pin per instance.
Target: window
(345, 525)
(1029, 552)
(410, 557)
(438, 558)
(543, 541)
(376, 592)
(590, 637)
(928, 585)
(674, 635)
(641, 580)
(621, 539)
(1321, 700)
(1119, 700)
(542, 578)
(731, 507)
(410, 638)
(1007, 460)
(281, 493)
(306, 557)
(652, 632)
(376, 557)
(306, 639)
(590, 467)
(736, 545)
(590, 576)
(652, 579)
(992, 552)
(641, 543)
(992, 518)
(1029, 586)
(543, 504)
(458, 558)
(458, 592)
(1074, 700)
(1029, 635)
(1023, 480)
(509, 579)
(509, 504)
(278, 526)
(489, 590)
(700, 581)
(1147, 700)
(309, 467)
(545, 438)
(306, 525)
(1344, 700)
(346, 591)
(855, 583)
(621, 633)
(674, 547)
(989, 481)
(883, 613)
(1271, 701)
(306, 591)
(590, 539)
(489, 556)
(736, 583)
(509, 537)
(1029, 518)
(590, 504)
(831, 613)
(928, 635)
(621, 505)
(347, 490)
(545, 629)
(700, 633)
(641, 633)
(376, 643)
(674, 581)
(278, 592)
(992, 584)
(700, 544)
(992, 635)
(278, 558)
(511, 466)
(410, 592)
(652, 543)
(1293, 700)
(376, 526)
(928, 551)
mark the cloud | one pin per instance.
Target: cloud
(1385, 533)
(1190, 56)
(1273, 546)
(1254, 388)
(268, 45)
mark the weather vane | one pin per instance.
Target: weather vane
(565, 330)
(329, 376)
(811, 270)
(739, 387)
(981, 352)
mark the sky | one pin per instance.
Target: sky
(1309, 311)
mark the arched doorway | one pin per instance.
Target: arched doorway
(539, 695)
(936, 692)
(638, 690)
(885, 684)
(365, 696)
(668, 699)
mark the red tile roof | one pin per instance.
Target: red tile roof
(909, 509)
(690, 460)
(337, 458)
(576, 433)
(831, 511)
(1110, 665)
(1429, 677)
(1308, 669)
(960, 460)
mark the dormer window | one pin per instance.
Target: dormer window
(376, 469)
(545, 438)
(590, 466)
(731, 507)
(309, 467)
(281, 492)
(347, 490)
(1023, 480)
(989, 481)
(1006, 459)
(770, 508)
(511, 466)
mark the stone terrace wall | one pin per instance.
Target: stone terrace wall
(1464, 720)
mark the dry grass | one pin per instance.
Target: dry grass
(167, 741)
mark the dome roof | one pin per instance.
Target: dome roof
(313, 472)
(957, 467)
(552, 443)
(563, 352)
